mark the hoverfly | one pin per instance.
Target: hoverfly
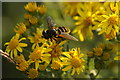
(56, 32)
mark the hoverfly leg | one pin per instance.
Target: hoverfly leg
(51, 39)
(55, 39)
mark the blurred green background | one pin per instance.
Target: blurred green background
(12, 13)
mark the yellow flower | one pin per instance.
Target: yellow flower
(20, 28)
(15, 45)
(39, 55)
(37, 38)
(111, 35)
(111, 7)
(32, 73)
(21, 63)
(71, 8)
(56, 52)
(27, 16)
(41, 9)
(98, 51)
(31, 6)
(56, 65)
(106, 56)
(74, 61)
(22, 66)
(84, 23)
(19, 59)
(110, 23)
(33, 20)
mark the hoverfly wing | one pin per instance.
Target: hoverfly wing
(67, 36)
(50, 22)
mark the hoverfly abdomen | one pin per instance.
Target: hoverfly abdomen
(63, 30)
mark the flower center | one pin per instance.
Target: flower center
(56, 51)
(113, 20)
(75, 62)
(88, 21)
(13, 43)
(35, 55)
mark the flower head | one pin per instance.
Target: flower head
(31, 6)
(27, 16)
(71, 8)
(32, 73)
(41, 9)
(56, 51)
(22, 66)
(33, 20)
(111, 7)
(111, 35)
(98, 51)
(85, 20)
(21, 63)
(37, 38)
(15, 45)
(39, 55)
(74, 61)
(106, 56)
(20, 28)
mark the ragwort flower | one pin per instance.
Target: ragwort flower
(21, 63)
(20, 28)
(39, 55)
(15, 45)
(84, 23)
(56, 52)
(41, 9)
(37, 38)
(74, 61)
(27, 16)
(111, 7)
(31, 6)
(110, 23)
(33, 20)
(71, 7)
(32, 73)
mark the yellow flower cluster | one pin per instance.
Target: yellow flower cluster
(33, 54)
(103, 51)
(39, 53)
(94, 16)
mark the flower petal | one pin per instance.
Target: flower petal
(66, 54)
(73, 71)
(36, 65)
(15, 53)
(19, 49)
(22, 44)
(6, 43)
(67, 68)
(22, 39)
